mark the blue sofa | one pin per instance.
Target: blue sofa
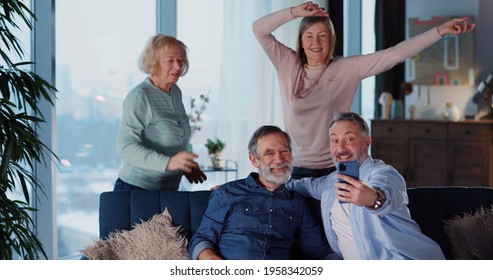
(429, 207)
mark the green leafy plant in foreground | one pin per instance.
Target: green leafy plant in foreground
(22, 92)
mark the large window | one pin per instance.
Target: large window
(97, 46)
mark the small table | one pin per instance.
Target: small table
(229, 166)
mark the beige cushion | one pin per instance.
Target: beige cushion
(156, 239)
(471, 236)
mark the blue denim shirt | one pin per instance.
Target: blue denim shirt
(386, 233)
(245, 221)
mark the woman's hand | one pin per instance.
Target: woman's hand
(455, 26)
(308, 9)
(184, 161)
(196, 175)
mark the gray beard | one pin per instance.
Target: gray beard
(272, 178)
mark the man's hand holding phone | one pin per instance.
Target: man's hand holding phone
(344, 187)
(348, 187)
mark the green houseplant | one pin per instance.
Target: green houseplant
(20, 147)
(215, 148)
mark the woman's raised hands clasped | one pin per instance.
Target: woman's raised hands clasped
(308, 9)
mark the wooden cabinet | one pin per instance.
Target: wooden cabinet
(470, 153)
(436, 153)
(389, 143)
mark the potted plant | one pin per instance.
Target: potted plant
(215, 148)
(20, 147)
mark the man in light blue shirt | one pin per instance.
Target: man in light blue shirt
(366, 218)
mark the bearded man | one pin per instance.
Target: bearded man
(257, 218)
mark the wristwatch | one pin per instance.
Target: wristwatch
(380, 200)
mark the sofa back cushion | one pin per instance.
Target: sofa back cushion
(122, 210)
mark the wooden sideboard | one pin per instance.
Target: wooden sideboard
(436, 153)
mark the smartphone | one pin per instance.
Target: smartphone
(350, 168)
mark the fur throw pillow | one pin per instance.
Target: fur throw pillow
(156, 239)
(471, 236)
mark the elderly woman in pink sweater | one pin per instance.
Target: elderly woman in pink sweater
(315, 85)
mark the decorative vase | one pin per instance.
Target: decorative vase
(217, 160)
(397, 110)
(385, 100)
(451, 112)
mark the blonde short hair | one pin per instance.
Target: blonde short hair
(155, 48)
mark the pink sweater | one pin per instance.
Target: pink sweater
(306, 120)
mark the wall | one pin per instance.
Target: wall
(484, 43)
(435, 97)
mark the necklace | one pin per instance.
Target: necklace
(301, 91)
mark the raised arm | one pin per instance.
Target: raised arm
(383, 60)
(263, 27)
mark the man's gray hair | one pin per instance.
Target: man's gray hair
(352, 117)
(264, 131)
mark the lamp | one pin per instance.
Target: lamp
(483, 99)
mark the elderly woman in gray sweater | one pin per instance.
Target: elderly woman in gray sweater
(155, 130)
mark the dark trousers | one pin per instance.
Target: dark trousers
(123, 186)
(302, 172)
